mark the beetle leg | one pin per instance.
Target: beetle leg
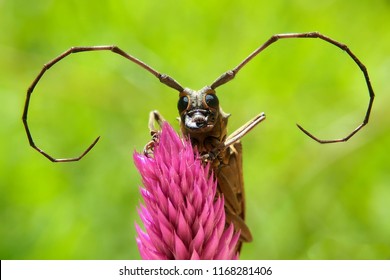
(233, 138)
(154, 117)
(240, 132)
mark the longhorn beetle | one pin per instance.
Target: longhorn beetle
(204, 122)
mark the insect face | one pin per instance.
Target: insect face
(199, 110)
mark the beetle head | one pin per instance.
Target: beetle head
(199, 110)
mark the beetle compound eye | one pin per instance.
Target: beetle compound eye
(183, 103)
(212, 100)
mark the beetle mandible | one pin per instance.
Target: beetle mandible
(204, 122)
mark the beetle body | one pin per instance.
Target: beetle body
(204, 122)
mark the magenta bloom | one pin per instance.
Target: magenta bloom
(182, 217)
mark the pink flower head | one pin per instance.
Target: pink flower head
(182, 217)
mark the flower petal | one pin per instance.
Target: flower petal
(181, 252)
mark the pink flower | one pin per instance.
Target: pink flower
(182, 217)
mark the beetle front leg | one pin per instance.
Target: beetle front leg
(243, 130)
(234, 137)
(154, 117)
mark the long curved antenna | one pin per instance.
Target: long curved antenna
(165, 79)
(229, 75)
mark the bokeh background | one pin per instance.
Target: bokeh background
(304, 200)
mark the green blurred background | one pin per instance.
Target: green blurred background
(304, 200)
